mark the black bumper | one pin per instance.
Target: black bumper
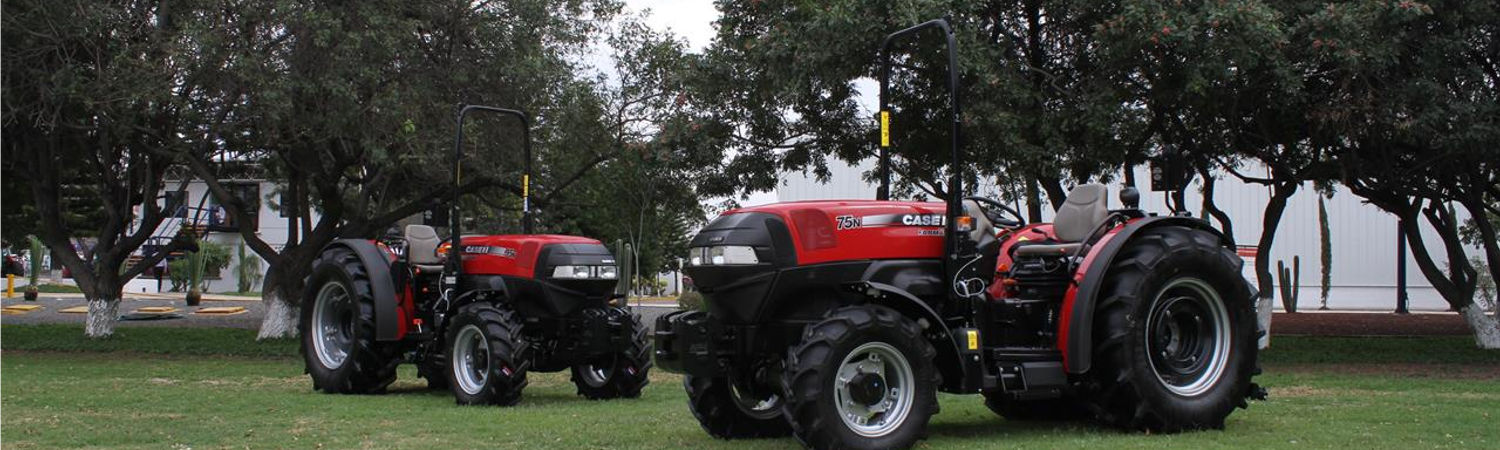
(696, 343)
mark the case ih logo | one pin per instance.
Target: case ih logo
(483, 249)
(849, 222)
(923, 220)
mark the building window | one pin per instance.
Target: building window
(248, 194)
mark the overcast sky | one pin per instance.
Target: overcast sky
(692, 20)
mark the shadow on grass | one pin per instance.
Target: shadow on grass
(999, 428)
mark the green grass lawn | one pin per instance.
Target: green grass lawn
(207, 388)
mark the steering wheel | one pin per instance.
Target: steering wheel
(993, 213)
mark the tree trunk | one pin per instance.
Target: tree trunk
(103, 314)
(281, 295)
(1033, 202)
(1486, 327)
(1272, 219)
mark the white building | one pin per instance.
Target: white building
(1363, 237)
(196, 206)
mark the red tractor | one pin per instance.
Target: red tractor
(839, 321)
(474, 313)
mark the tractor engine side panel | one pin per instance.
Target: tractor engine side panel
(851, 230)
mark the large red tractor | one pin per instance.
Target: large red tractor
(474, 313)
(839, 321)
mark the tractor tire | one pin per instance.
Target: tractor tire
(337, 324)
(486, 356)
(1175, 334)
(724, 414)
(621, 375)
(861, 378)
(1052, 410)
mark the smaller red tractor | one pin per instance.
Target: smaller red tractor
(474, 313)
(837, 322)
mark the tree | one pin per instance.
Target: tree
(1411, 110)
(779, 88)
(352, 106)
(90, 101)
(644, 194)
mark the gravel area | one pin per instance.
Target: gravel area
(250, 319)
(51, 307)
(1368, 324)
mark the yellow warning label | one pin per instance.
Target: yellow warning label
(525, 185)
(973, 339)
(885, 128)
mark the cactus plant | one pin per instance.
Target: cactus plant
(1291, 282)
(1326, 246)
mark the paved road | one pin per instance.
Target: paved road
(250, 319)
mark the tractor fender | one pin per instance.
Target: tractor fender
(473, 288)
(1078, 350)
(948, 360)
(382, 286)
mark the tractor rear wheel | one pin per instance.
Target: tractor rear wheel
(486, 356)
(621, 374)
(1175, 332)
(728, 412)
(861, 378)
(338, 329)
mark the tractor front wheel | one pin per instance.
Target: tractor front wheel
(1175, 332)
(728, 412)
(621, 374)
(338, 329)
(861, 378)
(486, 356)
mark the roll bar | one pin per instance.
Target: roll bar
(955, 182)
(455, 250)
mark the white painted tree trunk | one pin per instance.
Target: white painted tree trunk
(103, 313)
(281, 318)
(1486, 327)
(1263, 307)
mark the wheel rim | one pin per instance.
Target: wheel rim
(471, 359)
(1187, 337)
(873, 389)
(333, 325)
(596, 375)
(763, 408)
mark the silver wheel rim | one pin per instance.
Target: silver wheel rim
(471, 359)
(1187, 337)
(874, 415)
(595, 375)
(333, 325)
(759, 408)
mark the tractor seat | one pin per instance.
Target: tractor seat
(421, 248)
(1083, 211)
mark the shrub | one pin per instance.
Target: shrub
(247, 270)
(691, 300)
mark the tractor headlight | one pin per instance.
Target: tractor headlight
(585, 272)
(576, 272)
(723, 255)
